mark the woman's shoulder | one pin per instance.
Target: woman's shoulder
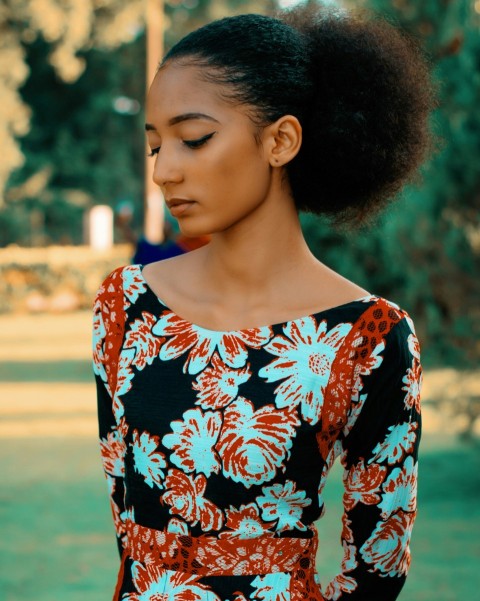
(384, 324)
(124, 281)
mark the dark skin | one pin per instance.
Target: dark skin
(257, 270)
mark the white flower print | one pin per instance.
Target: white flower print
(339, 585)
(362, 484)
(335, 451)
(365, 367)
(98, 339)
(202, 343)
(178, 527)
(139, 337)
(217, 385)
(272, 587)
(192, 441)
(245, 522)
(358, 401)
(343, 583)
(124, 381)
(148, 461)
(414, 346)
(304, 360)
(253, 444)
(349, 561)
(413, 386)
(400, 489)
(153, 582)
(113, 452)
(133, 284)
(388, 549)
(398, 443)
(186, 497)
(285, 504)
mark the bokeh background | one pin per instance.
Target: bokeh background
(72, 83)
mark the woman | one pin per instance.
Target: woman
(217, 430)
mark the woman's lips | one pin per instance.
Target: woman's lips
(178, 207)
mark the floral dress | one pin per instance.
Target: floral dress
(216, 447)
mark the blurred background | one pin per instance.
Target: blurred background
(74, 205)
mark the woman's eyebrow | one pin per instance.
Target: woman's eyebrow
(183, 117)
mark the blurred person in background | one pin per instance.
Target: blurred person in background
(231, 378)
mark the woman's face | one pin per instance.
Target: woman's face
(205, 152)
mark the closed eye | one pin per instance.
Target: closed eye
(199, 142)
(193, 144)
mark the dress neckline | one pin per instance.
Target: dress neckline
(363, 299)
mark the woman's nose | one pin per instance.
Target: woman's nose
(166, 169)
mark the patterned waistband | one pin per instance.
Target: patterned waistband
(212, 556)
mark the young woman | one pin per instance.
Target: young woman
(231, 378)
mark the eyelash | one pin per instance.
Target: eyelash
(192, 144)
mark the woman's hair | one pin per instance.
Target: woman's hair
(359, 87)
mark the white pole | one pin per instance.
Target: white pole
(154, 202)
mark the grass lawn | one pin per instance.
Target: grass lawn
(58, 543)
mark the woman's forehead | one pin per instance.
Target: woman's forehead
(182, 90)
(182, 84)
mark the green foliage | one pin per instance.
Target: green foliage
(425, 252)
(93, 153)
(184, 16)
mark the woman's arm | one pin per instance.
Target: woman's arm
(107, 330)
(379, 447)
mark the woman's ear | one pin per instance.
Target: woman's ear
(282, 140)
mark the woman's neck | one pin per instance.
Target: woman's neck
(260, 251)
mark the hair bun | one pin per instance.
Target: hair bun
(366, 129)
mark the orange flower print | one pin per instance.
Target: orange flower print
(254, 444)
(304, 360)
(349, 561)
(184, 336)
(124, 381)
(414, 346)
(154, 583)
(357, 403)
(284, 503)
(413, 385)
(217, 385)
(347, 534)
(362, 484)
(339, 585)
(178, 527)
(186, 497)
(400, 489)
(387, 549)
(118, 516)
(98, 339)
(193, 440)
(245, 522)
(140, 338)
(335, 451)
(113, 450)
(368, 364)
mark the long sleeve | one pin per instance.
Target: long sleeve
(110, 420)
(378, 449)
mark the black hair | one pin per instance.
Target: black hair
(359, 86)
